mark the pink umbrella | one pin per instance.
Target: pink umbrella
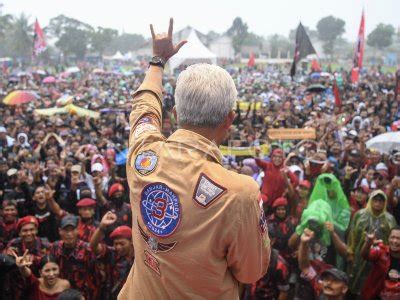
(49, 79)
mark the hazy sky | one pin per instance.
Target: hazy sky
(264, 17)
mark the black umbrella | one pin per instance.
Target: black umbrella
(316, 88)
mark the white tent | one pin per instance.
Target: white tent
(193, 52)
(117, 56)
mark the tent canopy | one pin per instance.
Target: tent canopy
(193, 52)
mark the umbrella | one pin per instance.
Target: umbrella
(98, 71)
(316, 88)
(19, 97)
(73, 70)
(385, 142)
(49, 79)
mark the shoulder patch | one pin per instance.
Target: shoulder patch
(146, 162)
(160, 209)
(143, 127)
(149, 119)
(207, 191)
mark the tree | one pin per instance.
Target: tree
(279, 43)
(381, 37)
(311, 33)
(238, 31)
(73, 42)
(126, 42)
(102, 38)
(330, 28)
(58, 25)
(19, 38)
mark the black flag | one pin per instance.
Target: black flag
(302, 49)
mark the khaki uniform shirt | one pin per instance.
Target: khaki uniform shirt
(198, 228)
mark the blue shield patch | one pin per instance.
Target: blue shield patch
(146, 162)
(160, 209)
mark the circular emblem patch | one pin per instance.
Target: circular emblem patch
(146, 162)
(160, 209)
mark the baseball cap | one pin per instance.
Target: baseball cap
(381, 167)
(12, 172)
(3, 129)
(355, 152)
(69, 220)
(338, 274)
(305, 183)
(97, 167)
(76, 168)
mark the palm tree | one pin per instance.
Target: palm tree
(19, 37)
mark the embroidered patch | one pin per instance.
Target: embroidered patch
(207, 191)
(146, 162)
(149, 118)
(160, 209)
(144, 127)
(153, 244)
(152, 262)
(263, 222)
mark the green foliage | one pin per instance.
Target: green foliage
(60, 24)
(18, 38)
(238, 31)
(73, 41)
(279, 43)
(329, 29)
(126, 42)
(102, 38)
(381, 37)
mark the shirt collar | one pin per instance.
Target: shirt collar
(198, 142)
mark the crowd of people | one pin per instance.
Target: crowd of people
(332, 204)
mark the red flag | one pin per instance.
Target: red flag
(39, 42)
(315, 67)
(359, 53)
(252, 60)
(336, 93)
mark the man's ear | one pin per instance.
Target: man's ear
(229, 119)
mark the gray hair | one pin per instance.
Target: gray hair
(204, 95)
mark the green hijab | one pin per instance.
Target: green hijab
(318, 213)
(328, 188)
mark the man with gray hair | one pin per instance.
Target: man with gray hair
(198, 229)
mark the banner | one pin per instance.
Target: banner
(292, 134)
(359, 53)
(243, 151)
(302, 48)
(39, 42)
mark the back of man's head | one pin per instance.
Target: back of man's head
(204, 96)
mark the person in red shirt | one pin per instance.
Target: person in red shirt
(277, 179)
(384, 278)
(358, 199)
(49, 286)
(299, 200)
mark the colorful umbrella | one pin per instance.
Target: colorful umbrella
(19, 97)
(49, 79)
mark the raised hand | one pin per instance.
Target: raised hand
(162, 43)
(22, 261)
(108, 219)
(307, 235)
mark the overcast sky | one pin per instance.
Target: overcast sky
(264, 17)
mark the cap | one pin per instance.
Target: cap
(3, 129)
(116, 187)
(12, 172)
(76, 168)
(69, 220)
(280, 202)
(305, 183)
(27, 220)
(338, 274)
(122, 232)
(97, 167)
(86, 202)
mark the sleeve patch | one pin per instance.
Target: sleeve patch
(207, 191)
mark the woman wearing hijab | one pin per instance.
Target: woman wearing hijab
(276, 177)
(373, 218)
